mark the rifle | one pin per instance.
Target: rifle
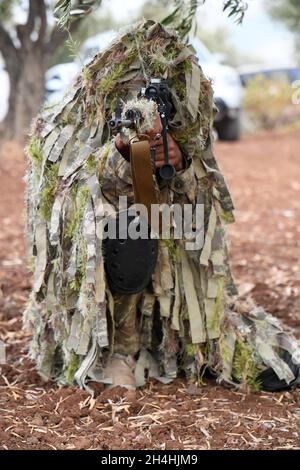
(133, 277)
(157, 91)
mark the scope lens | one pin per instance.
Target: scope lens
(167, 171)
(151, 91)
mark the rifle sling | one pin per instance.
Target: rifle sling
(142, 175)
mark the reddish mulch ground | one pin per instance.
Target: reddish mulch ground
(263, 174)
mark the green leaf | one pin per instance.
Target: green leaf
(182, 18)
(237, 9)
(170, 18)
(65, 10)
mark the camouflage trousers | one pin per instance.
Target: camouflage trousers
(126, 331)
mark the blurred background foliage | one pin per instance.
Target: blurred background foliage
(267, 104)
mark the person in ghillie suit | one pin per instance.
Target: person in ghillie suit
(189, 317)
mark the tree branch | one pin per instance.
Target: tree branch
(42, 11)
(8, 48)
(24, 30)
(31, 17)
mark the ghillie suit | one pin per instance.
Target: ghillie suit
(190, 317)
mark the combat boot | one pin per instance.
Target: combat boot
(120, 369)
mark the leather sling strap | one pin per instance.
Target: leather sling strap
(142, 175)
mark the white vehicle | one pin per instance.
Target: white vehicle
(227, 91)
(60, 76)
(285, 73)
(57, 79)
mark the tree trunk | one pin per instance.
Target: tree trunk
(26, 94)
(26, 67)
